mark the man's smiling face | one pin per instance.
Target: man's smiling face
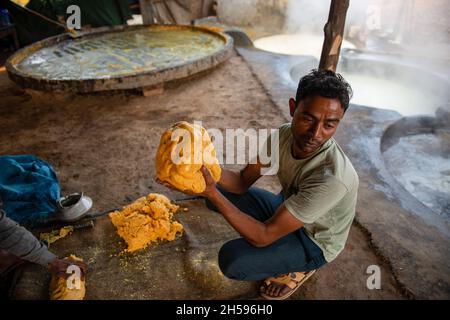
(314, 121)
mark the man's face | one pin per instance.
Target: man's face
(314, 121)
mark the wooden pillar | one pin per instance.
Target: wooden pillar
(334, 33)
(146, 11)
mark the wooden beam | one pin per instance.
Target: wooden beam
(153, 90)
(334, 33)
(146, 11)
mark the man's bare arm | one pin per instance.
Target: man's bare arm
(239, 182)
(259, 234)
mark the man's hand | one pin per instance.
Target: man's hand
(209, 180)
(210, 183)
(59, 267)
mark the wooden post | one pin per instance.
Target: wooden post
(334, 33)
(146, 11)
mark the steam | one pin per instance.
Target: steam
(416, 31)
(305, 16)
(415, 27)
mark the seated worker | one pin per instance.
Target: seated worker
(286, 237)
(18, 245)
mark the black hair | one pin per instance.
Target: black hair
(325, 83)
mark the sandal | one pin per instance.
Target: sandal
(293, 280)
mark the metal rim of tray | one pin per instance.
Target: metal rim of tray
(137, 80)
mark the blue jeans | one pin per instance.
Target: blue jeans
(240, 260)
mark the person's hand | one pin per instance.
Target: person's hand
(210, 183)
(209, 189)
(59, 267)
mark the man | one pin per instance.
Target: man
(18, 245)
(286, 237)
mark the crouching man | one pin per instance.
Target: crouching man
(287, 236)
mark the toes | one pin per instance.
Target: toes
(271, 289)
(277, 291)
(284, 290)
(274, 291)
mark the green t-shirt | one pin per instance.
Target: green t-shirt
(320, 191)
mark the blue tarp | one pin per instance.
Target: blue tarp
(29, 188)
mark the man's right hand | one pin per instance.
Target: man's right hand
(239, 182)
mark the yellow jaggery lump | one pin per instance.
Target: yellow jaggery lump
(191, 146)
(58, 287)
(146, 220)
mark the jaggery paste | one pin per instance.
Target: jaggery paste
(145, 221)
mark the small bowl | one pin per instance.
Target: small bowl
(73, 207)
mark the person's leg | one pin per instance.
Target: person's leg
(258, 203)
(239, 260)
(8, 261)
(295, 252)
(9, 265)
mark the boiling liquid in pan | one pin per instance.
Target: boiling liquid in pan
(120, 54)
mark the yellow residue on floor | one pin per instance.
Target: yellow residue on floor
(54, 235)
(146, 220)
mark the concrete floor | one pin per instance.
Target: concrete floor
(104, 144)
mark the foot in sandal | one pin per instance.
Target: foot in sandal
(283, 286)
